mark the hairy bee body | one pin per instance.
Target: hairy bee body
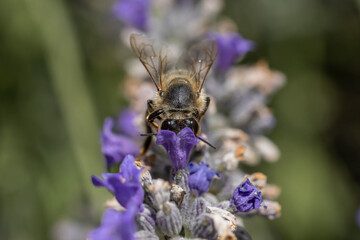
(181, 104)
(180, 100)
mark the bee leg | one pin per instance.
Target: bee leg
(149, 120)
(146, 144)
(207, 103)
(152, 116)
(150, 104)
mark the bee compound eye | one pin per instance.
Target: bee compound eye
(190, 122)
(168, 124)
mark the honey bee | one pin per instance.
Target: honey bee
(180, 100)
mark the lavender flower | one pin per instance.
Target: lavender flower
(231, 46)
(200, 177)
(234, 129)
(177, 146)
(125, 185)
(134, 13)
(246, 197)
(126, 123)
(115, 225)
(115, 147)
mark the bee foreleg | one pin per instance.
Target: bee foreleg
(152, 116)
(149, 120)
(207, 103)
(147, 143)
(150, 105)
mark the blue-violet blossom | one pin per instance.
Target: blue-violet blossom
(200, 177)
(115, 225)
(246, 197)
(231, 46)
(134, 13)
(114, 146)
(126, 123)
(177, 146)
(125, 185)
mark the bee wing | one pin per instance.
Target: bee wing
(197, 60)
(152, 55)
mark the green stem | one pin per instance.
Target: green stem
(65, 68)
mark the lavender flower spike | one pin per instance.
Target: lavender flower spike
(246, 197)
(134, 13)
(200, 177)
(231, 46)
(115, 225)
(125, 185)
(115, 147)
(177, 146)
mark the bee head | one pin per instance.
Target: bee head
(176, 125)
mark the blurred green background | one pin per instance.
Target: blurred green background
(60, 71)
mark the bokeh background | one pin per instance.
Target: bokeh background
(61, 66)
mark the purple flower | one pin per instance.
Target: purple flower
(177, 146)
(115, 225)
(125, 123)
(134, 13)
(125, 185)
(200, 177)
(231, 46)
(246, 197)
(115, 147)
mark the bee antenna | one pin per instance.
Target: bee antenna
(202, 139)
(148, 134)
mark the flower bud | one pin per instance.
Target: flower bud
(145, 219)
(169, 219)
(157, 193)
(241, 233)
(205, 228)
(145, 235)
(191, 209)
(181, 179)
(177, 194)
(271, 209)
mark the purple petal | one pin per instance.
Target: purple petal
(246, 197)
(125, 185)
(126, 123)
(231, 46)
(97, 182)
(129, 170)
(177, 146)
(115, 225)
(200, 177)
(115, 147)
(127, 193)
(134, 13)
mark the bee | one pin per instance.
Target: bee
(180, 100)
